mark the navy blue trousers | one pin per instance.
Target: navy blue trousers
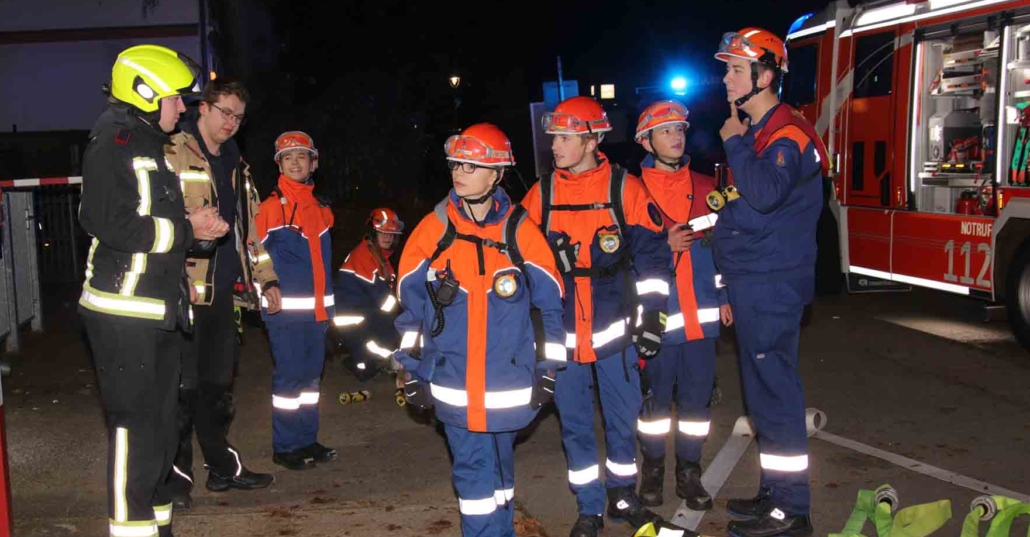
(768, 319)
(484, 476)
(690, 369)
(299, 351)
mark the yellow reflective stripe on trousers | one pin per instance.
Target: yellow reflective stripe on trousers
(121, 474)
(114, 304)
(163, 514)
(140, 528)
(143, 166)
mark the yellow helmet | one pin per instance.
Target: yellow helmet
(144, 74)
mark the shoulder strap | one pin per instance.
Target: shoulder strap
(616, 184)
(510, 236)
(784, 116)
(447, 239)
(546, 182)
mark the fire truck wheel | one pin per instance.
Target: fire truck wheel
(1017, 296)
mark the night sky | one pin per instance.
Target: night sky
(368, 79)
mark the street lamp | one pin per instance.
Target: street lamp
(454, 81)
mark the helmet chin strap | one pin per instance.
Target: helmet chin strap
(674, 165)
(484, 198)
(755, 90)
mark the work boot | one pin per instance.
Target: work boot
(652, 481)
(587, 526)
(689, 487)
(297, 459)
(774, 523)
(247, 480)
(320, 453)
(625, 506)
(748, 508)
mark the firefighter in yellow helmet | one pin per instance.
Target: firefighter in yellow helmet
(135, 297)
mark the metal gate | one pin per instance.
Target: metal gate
(19, 270)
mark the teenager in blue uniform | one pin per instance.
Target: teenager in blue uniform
(470, 272)
(294, 228)
(697, 304)
(765, 248)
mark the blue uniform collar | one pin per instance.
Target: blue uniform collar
(500, 206)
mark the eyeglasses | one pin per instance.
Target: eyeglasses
(228, 115)
(467, 167)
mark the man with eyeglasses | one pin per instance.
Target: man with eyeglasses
(212, 173)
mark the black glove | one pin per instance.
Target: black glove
(201, 248)
(543, 388)
(182, 311)
(647, 409)
(417, 394)
(565, 254)
(648, 336)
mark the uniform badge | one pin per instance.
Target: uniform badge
(780, 161)
(505, 285)
(609, 242)
(656, 216)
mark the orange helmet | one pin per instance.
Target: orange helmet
(577, 115)
(293, 140)
(754, 45)
(483, 144)
(385, 220)
(661, 113)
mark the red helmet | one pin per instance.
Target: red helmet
(754, 45)
(385, 220)
(483, 144)
(577, 115)
(661, 113)
(293, 140)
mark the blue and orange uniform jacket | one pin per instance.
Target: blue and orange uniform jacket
(481, 368)
(697, 290)
(596, 307)
(294, 229)
(768, 234)
(364, 294)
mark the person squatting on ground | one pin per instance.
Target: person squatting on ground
(366, 307)
(294, 228)
(135, 297)
(609, 243)
(470, 274)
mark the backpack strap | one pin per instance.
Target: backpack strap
(546, 193)
(616, 186)
(449, 233)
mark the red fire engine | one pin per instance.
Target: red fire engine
(923, 106)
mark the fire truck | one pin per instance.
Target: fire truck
(924, 107)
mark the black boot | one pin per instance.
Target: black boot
(689, 487)
(587, 526)
(297, 459)
(180, 480)
(748, 508)
(625, 506)
(652, 481)
(320, 453)
(774, 523)
(246, 480)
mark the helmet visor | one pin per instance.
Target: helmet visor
(467, 148)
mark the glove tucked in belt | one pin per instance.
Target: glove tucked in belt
(648, 336)
(543, 388)
(417, 393)
(565, 254)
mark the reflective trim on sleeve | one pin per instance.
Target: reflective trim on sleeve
(377, 350)
(718, 282)
(555, 351)
(409, 339)
(389, 304)
(164, 235)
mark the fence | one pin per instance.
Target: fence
(41, 246)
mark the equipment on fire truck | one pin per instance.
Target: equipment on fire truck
(946, 129)
(1021, 147)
